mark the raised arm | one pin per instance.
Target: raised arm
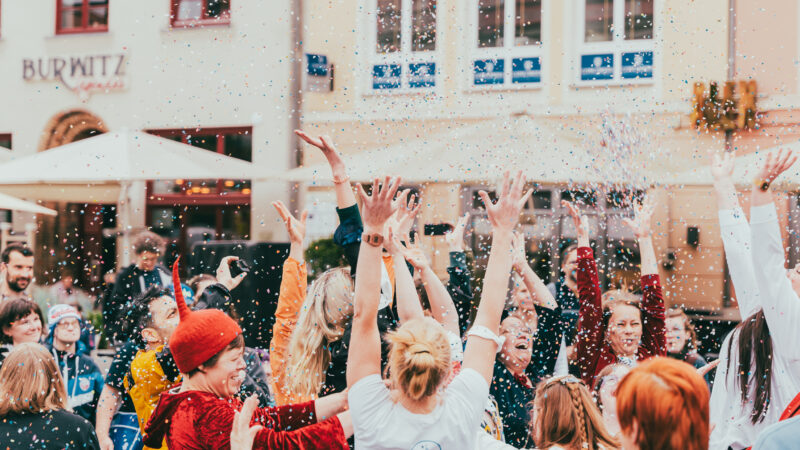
(341, 181)
(640, 225)
(408, 304)
(539, 293)
(290, 299)
(735, 232)
(364, 357)
(590, 335)
(779, 299)
(654, 340)
(442, 307)
(483, 343)
(459, 286)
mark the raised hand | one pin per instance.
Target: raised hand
(504, 215)
(416, 257)
(325, 144)
(406, 216)
(722, 166)
(224, 273)
(392, 243)
(296, 228)
(581, 223)
(380, 206)
(455, 238)
(776, 165)
(641, 222)
(242, 434)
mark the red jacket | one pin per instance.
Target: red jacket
(592, 350)
(201, 420)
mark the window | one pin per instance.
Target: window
(616, 41)
(81, 16)
(404, 56)
(507, 43)
(191, 13)
(5, 140)
(234, 142)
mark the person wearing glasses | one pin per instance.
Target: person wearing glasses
(82, 377)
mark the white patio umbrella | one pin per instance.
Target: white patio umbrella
(745, 171)
(115, 160)
(15, 204)
(479, 153)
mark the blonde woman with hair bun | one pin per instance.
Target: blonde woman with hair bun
(420, 409)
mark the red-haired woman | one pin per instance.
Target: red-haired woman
(621, 330)
(663, 404)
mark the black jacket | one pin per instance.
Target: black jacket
(54, 430)
(512, 397)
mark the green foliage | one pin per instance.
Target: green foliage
(321, 255)
(96, 319)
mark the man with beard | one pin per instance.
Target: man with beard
(17, 264)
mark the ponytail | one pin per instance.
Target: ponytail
(419, 359)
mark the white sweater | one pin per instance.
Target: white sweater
(758, 245)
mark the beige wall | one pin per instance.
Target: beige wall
(691, 45)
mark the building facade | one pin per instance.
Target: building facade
(216, 74)
(405, 70)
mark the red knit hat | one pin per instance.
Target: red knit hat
(200, 334)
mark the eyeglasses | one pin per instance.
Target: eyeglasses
(68, 324)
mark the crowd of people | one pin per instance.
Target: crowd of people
(383, 354)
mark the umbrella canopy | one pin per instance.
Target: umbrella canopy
(745, 171)
(123, 156)
(14, 204)
(479, 153)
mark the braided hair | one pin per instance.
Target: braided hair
(566, 415)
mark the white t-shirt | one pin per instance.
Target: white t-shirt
(379, 423)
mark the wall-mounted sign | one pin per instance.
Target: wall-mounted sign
(526, 70)
(734, 108)
(597, 67)
(422, 75)
(80, 74)
(319, 74)
(317, 65)
(386, 76)
(637, 65)
(488, 71)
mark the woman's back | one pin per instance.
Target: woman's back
(380, 423)
(732, 425)
(56, 429)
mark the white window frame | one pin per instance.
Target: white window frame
(507, 52)
(405, 57)
(617, 46)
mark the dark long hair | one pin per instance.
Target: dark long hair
(755, 347)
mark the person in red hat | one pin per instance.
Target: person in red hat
(208, 349)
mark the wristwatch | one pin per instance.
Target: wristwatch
(373, 239)
(762, 184)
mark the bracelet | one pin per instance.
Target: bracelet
(485, 333)
(337, 180)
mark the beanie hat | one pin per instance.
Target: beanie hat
(200, 334)
(62, 311)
